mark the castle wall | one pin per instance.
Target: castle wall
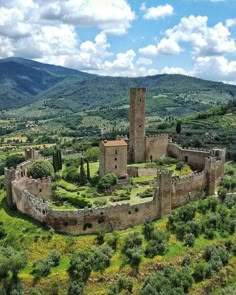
(156, 147)
(84, 221)
(37, 187)
(138, 171)
(194, 157)
(188, 188)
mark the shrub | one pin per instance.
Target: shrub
(54, 258)
(80, 266)
(189, 240)
(101, 257)
(100, 237)
(71, 174)
(112, 240)
(99, 203)
(200, 271)
(41, 268)
(186, 260)
(209, 234)
(40, 169)
(148, 229)
(125, 284)
(76, 288)
(179, 166)
(14, 160)
(107, 181)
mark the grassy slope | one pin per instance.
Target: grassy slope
(24, 233)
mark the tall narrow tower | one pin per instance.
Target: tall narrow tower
(137, 125)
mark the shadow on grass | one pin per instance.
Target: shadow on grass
(14, 213)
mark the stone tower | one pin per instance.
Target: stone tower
(10, 175)
(137, 125)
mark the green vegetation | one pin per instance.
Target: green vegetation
(40, 169)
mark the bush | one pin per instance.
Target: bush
(200, 271)
(100, 237)
(71, 174)
(92, 154)
(112, 240)
(54, 258)
(179, 166)
(125, 284)
(99, 203)
(107, 181)
(14, 160)
(101, 257)
(40, 169)
(189, 240)
(41, 268)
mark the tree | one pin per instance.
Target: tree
(148, 230)
(101, 257)
(92, 154)
(57, 160)
(40, 169)
(189, 240)
(14, 160)
(178, 127)
(107, 181)
(11, 261)
(88, 170)
(83, 177)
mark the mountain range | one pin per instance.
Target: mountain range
(25, 82)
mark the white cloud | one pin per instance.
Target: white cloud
(112, 16)
(160, 11)
(215, 68)
(230, 22)
(144, 61)
(205, 41)
(164, 47)
(174, 70)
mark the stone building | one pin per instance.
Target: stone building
(113, 158)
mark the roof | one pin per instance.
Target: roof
(111, 143)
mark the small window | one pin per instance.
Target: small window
(115, 166)
(140, 126)
(40, 190)
(116, 152)
(115, 159)
(140, 99)
(186, 159)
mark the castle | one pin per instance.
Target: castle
(33, 197)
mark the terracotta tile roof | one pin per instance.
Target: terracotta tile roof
(111, 143)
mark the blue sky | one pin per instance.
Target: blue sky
(124, 38)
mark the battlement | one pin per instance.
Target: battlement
(158, 135)
(189, 148)
(188, 178)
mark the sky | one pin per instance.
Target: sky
(124, 38)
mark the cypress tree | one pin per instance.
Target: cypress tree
(55, 162)
(88, 170)
(83, 178)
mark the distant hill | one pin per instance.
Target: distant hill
(169, 95)
(21, 80)
(24, 82)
